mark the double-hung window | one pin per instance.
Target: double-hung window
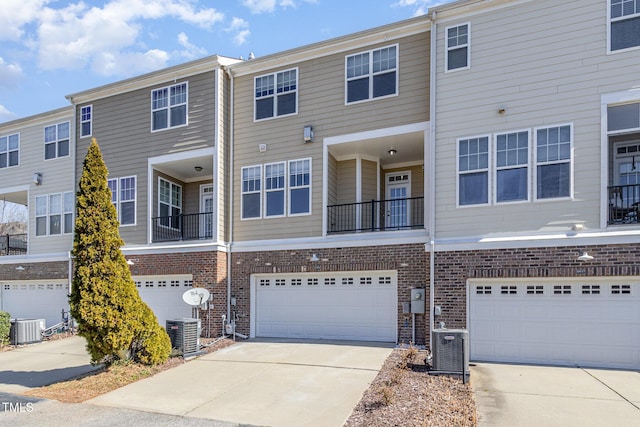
(553, 161)
(276, 94)
(86, 119)
(54, 214)
(251, 191)
(169, 107)
(299, 187)
(123, 197)
(624, 23)
(372, 74)
(512, 166)
(169, 203)
(56, 141)
(473, 170)
(9, 150)
(274, 180)
(457, 41)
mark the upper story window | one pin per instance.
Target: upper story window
(276, 94)
(372, 74)
(458, 39)
(86, 118)
(123, 197)
(169, 203)
(9, 150)
(56, 141)
(54, 214)
(512, 166)
(299, 187)
(274, 181)
(553, 162)
(473, 170)
(251, 192)
(169, 107)
(624, 24)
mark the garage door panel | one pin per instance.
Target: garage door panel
(30, 299)
(344, 305)
(566, 322)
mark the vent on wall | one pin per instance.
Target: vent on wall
(185, 335)
(450, 351)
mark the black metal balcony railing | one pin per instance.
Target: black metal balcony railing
(624, 204)
(376, 215)
(13, 244)
(182, 227)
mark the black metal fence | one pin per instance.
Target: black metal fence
(182, 227)
(624, 204)
(13, 244)
(376, 215)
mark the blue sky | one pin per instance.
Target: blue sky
(53, 48)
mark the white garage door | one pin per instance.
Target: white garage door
(345, 305)
(163, 294)
(575, 322)
(35, 299)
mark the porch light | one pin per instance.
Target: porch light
(314, 258)
(37, 178)
(198, 168)
(392, 152)
(20, 268)
(308, 134)
(585, 257)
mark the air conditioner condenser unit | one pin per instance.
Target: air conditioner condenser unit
(450, 353)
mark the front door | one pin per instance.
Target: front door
(397, 204)
(206, 212)
(627, 167)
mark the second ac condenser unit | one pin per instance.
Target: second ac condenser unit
(25, 331)
(184, 334)
(450, 351)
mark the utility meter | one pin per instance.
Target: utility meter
(417, 300)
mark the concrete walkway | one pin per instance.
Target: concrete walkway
(524, 395)
(267, 382)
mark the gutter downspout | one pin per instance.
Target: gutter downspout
(432, 177)
(230, 207)
(75, 180)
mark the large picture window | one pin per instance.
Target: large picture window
(553, 162)
(9, 150)
(624, 23)
(276, 94)
(169, 107)
(473, 169)
(372, 74)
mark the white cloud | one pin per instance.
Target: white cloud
(10, 74)
(126, 63)
(259, 6)
(241, 29)
(420, 7)
(15, 14)
(190, 51)
(6, 115)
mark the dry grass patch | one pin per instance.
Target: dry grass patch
(404, 394)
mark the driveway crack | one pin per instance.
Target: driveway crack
(610, 388)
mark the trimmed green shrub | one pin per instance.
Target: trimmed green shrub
(5, 326)
(104, 301)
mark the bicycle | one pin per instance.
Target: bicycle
(67, 325)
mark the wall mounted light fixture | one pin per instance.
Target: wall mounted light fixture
(585, 257)
(308, 134)
(392, 152)
(198, 168)
(37, 178)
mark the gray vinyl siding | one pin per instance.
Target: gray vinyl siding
(346, 180)
(332, 195)
(122, 127)
(553, 70)
(369, 181)
(57, 173)
(321, 104)
(222, 180)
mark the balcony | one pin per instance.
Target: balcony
(13, 244)
(624, 204)
(197, 226)
(376, 215)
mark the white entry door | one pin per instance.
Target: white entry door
(206, 207)
(397, 209)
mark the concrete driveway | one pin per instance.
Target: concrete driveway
(261, 382)
(525, 395)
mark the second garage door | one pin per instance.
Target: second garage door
(341, 305)
(565, 321)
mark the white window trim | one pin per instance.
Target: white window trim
(57, 156)
(275, 94)
(494, 169)
(371, 74)
(283, 189)
(260, 192)
(488, 170)
(609, 22)
(535, 164)
(168, 107)
(171, 205)
(47, 215)
(289, 188)
(447, 49)
(8, 151)
(90, 121)
(135, 200)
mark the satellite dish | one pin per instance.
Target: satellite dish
(196, 296)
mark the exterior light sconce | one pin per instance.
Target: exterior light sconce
(392, 152)
(20, 268)
(585, 257)
(314, 258)
(308, 134)
(37, 178)
(132, 261)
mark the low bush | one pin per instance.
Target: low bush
(5, 326)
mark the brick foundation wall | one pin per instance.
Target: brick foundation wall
(35, 271)
(414, 274)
